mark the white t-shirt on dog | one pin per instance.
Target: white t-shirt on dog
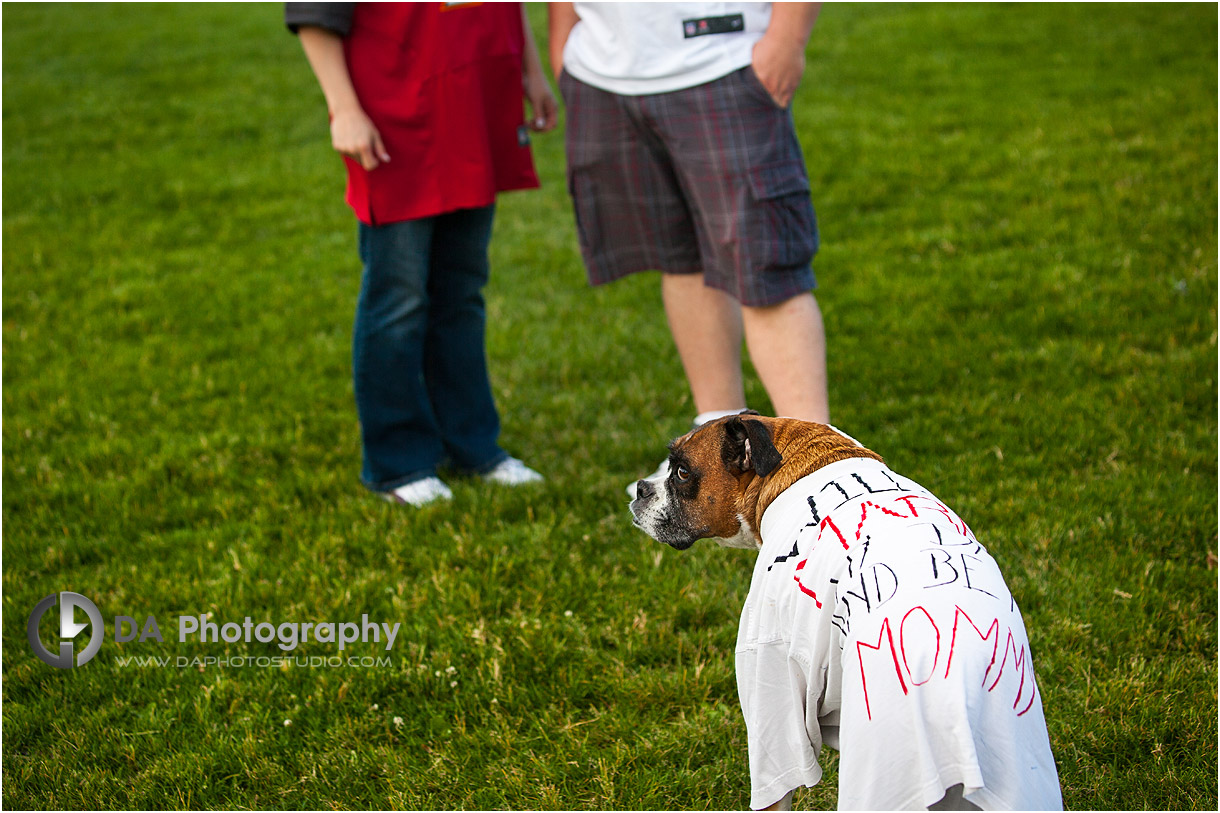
(878, 625)
(639, 48)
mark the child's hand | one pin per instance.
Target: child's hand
(543, 107)
(353, 134)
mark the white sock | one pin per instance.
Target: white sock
(707, 417)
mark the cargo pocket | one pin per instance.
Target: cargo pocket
(784, 233)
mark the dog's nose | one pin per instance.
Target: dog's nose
(644, 490)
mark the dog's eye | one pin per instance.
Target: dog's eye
(683, 473)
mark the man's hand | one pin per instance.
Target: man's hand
(779, 57)
(779, 65)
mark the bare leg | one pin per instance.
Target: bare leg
(707, 329)
(788, 347)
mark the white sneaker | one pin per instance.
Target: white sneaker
(419, 493)
(512, 472)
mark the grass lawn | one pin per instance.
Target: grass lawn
(1018, 275)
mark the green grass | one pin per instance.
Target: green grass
(1018, 276)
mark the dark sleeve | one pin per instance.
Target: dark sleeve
(336, 17)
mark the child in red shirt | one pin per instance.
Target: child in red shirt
(425, 106)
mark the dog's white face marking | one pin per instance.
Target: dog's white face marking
(650, 513)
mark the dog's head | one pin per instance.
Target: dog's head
(722, 476)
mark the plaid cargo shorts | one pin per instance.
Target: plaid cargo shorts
(707, 180)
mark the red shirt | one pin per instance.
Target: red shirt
(442, 84)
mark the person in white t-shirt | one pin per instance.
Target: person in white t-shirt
(683, 158)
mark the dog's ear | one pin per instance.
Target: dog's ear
(747, 445)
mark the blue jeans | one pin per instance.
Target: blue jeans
(418, 358)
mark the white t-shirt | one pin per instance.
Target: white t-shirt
(878, 625)
(638, 48)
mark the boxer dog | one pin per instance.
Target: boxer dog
(875, 623)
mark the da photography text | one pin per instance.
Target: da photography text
(193, 628)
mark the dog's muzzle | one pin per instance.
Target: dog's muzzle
(655, 522)
(645, 493)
